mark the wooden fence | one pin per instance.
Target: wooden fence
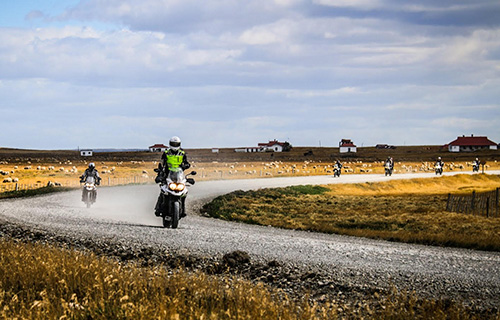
(107, 181)
(484, 203)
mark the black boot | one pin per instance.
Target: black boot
(158, 205)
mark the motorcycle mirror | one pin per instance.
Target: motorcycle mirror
(193, 173)
(190, 180)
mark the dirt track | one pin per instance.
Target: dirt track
(122, 224)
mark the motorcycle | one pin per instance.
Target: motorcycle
(336, 171)
(173, 192)
(388, 169)
(475, 167)
(89, 192)
(438, 168)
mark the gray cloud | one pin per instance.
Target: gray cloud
(233, 74)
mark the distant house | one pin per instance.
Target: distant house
(384, 146)
(248, 149)
(468, 144)
(158, 148)
(272, 146)
(215, 150)
(86, 153)
(346, 145)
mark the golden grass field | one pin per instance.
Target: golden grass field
(404, 210)
(124, 172)
(43, 282)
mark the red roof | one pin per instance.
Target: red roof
(158, 146)
(271, 143)
(346, 143)
(472, 141)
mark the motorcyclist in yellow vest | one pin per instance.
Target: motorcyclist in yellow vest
(172, 159)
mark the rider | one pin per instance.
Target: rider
(338, 165)
(390, 161)
(439, 162)
(172, 159)
(91, 171)
(476, 163)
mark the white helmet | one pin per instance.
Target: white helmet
(175, 143)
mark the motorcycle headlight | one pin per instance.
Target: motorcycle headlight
(176, 187)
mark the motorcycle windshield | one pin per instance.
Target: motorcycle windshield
(90, 180)
(176, 176)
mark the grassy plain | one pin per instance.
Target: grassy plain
(404, 210)
(43, 282)
(64, 167)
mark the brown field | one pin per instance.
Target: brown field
(29, 167)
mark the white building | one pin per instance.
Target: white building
(86, 153)
(158, 148)
(272, 146)
(465, 144)
(346, 145)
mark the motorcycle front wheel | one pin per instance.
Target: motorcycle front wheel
(175, 213)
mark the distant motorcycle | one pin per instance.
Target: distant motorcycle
(89, 192)
(475, 167)
(173, 192)
(336, 171)
(438, 168)
(388, 169)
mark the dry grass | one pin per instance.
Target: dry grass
(41, 282)
(406, 210)
(67, 172)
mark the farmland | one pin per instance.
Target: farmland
(63, 167)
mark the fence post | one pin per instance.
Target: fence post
(487, 207)
(448, 202)
(496, 202)
(472, 201)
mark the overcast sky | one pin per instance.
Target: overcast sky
(227, 73)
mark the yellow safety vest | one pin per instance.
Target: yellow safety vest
(174, 161)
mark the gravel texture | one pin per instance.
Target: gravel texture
(122, 224)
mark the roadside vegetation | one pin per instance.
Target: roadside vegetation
(43, 282)
(31, 192)
(410, 211)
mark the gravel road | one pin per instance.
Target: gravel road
(122, 223)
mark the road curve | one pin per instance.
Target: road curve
(125, 215)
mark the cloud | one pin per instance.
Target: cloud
(228, 73)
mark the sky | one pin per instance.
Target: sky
(227, 73)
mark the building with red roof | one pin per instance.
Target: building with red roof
(472, 143)
(158, 148)
(346, 145)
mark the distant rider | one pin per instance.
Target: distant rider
(439, 162)
(390, 162)
(91, 171)
(172, 159)
(339, 166)
(475, 164)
